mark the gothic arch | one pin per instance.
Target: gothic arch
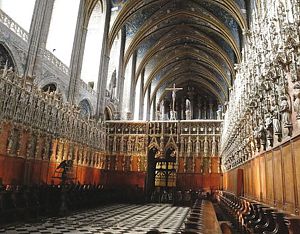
(51, 87)
(85, 108)
(108, 112)
(8, 53)
(60, 88)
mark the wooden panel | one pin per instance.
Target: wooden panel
(36, 169)
(195, 181)
(246, 181)
(256, 178)
(269, 178)
(240, 179)
(198, 162)
(13, 170)
(44, 172)
(296, 148)
(215, 164)
(278, 178)
(23, 144)
(51, 170)
(120, 162)
(123, 179)
(134, 163)
(233, 181)
(249, 168)
(4, 133)
(225, 180)
(262, 166)
(181, 165)
(288, 186)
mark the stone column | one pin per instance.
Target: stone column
(211, 112)
(77, 52)
(141, 111)
(132, 84)
(199, 104)
(104, 62)
(148, 103)
(121, 69)
(204, 110)
(154, 108)
(38, 33)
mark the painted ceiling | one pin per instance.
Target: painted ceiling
(183, 42)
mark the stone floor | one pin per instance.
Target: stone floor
(119, 218)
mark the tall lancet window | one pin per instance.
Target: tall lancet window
(62, 29)
(93, 45)
(113, 66)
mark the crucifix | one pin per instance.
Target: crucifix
(174, 90)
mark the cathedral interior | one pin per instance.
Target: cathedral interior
(150, 116)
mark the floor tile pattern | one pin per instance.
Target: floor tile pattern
(115, 219)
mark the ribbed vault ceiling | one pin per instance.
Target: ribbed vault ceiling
(183, 42)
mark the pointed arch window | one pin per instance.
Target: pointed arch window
(62, 29)
(93, 45)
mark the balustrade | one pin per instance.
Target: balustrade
(12, 25)
(21, 102)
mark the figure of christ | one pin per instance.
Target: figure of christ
(174, 90)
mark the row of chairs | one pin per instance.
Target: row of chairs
(31, 202)
(178, 197)
(254, 217)
(194, 222)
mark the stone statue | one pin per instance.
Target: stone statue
(205, 147)
(214, 148)
(269, 129)
(174, 90)
(219, 112)
(188, 111)
(276, 117)
(285, 113)
(260, 135)
(297, 100)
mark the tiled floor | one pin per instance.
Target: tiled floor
(114, 219)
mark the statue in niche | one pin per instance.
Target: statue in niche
(205, 147)
(189, 165)
(188, 111)
(256, 138)
(162, 110)
(262, 134)
(13, 142)
(113, 84)
(285, 111)
(269, 129)
(219, 112)
(214, 148)
(297, 100)
(276, 117)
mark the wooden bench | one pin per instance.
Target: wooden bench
(202, 219)
(255, 217)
